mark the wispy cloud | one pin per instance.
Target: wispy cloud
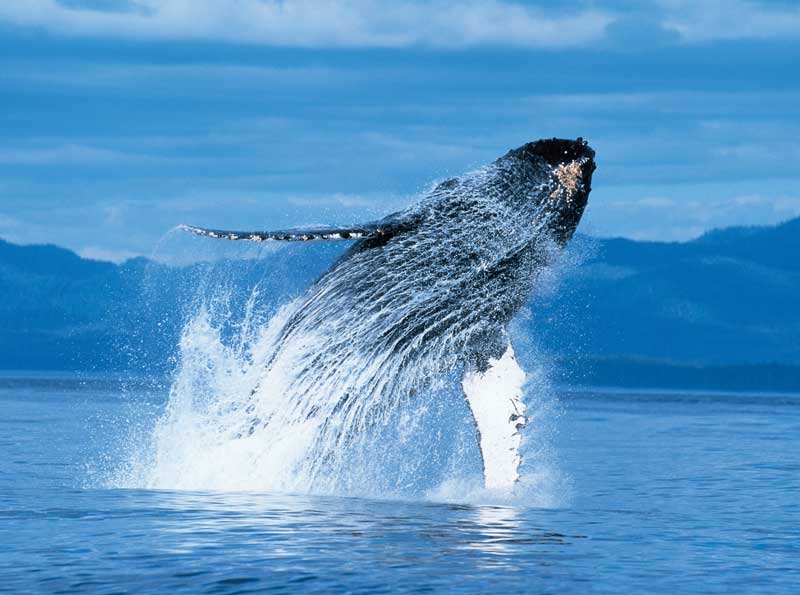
(404, 23)
(67, 154)
(172, 78)
(99, 253)
(712, 20)
(337, 199)
(61, 152)
(7, 223)
(686, 217)
(319, 23)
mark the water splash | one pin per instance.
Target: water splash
(352, 388)
(424, 447)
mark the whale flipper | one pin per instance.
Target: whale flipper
(381, 231)
(289, 235)
(494, 396)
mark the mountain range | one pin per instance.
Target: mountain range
(720, 311)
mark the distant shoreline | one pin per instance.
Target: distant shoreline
(644, 392)
(642, 374)
(759, 386)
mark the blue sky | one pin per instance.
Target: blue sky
(124, 118)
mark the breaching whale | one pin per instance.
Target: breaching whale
(426, 291)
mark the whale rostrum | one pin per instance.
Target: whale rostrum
(432, 289)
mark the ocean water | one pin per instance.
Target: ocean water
(654, 492)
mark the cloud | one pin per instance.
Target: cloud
(712, 20)
(661, 218)
(405, 23)
(317, 23)
(186, 79)
(60, 152)
(337, 199)
(111, 255)
(68, 154)
(7, 223)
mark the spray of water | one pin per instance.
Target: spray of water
(352, 388)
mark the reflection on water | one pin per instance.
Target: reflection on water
(284, 525)
(499, 535)
(497, 532)
(269, 540)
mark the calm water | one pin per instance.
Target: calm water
(669, 493)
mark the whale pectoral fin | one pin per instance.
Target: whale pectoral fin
(331, 234)
(381, 231)
(494, 396)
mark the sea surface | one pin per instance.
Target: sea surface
(660, 492)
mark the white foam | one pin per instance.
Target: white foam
(206, 440)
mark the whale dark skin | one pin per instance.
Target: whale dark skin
(434, 287)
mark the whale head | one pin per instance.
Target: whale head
(561, 170)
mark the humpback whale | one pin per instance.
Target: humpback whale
(422, 293)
